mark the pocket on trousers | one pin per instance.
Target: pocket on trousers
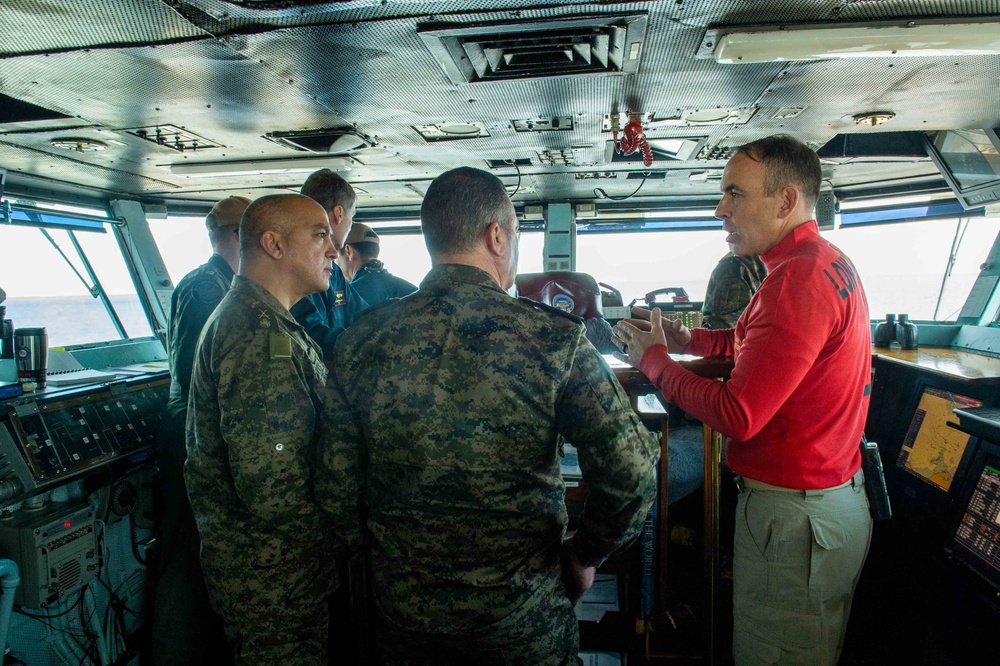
(828, 531)
(758, 520)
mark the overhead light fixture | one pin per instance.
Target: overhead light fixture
(874, 119)
(79, 144)
(258, 167)
(451, 131)
(883, 40)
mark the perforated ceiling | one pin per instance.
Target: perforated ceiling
(232, 73)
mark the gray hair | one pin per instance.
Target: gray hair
(787, 161)
(458, 207)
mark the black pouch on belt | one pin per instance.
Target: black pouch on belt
(878, 495)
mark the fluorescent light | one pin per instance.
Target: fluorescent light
(258, 167)
(874, 41)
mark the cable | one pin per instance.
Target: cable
(20, 611)
(41, 618)
(518, 188)
(134, 536)
(599, 192)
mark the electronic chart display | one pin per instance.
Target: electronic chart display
(932, 450)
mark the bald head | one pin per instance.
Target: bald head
(286, 246)
(276, 213)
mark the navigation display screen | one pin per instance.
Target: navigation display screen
(931, 450)
(979, 530)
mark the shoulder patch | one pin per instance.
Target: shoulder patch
(207, 291)
(542, 307)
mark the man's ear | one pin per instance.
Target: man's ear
(336, 215)
(495, 239)
(791, 197)
(272, 244)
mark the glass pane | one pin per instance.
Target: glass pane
(106, 259)
(638, 263)
(530, 258)
(183, 244)
(902, 265)
(406, 255)
(43, 291)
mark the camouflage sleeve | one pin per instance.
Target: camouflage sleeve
(617, 455)
(727, 296)
(338, 466)
(267, 418)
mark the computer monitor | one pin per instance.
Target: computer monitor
(969, 160)
(975, 541)
(931, 449)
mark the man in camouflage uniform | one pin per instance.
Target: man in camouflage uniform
(734, 280)
(455, 397)
(183, 623)
(256, 395)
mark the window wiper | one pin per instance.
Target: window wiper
(95, 289)
(956, 243)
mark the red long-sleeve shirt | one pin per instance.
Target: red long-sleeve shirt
(794, 409)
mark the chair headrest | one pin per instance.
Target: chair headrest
(569, 291)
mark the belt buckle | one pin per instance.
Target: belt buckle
(738, 480)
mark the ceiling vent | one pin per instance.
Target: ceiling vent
(606, 44)
(329, 140)
(711, 153)
(558, 157)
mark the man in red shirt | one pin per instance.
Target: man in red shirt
(793, 411)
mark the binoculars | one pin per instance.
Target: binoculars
(902, 331)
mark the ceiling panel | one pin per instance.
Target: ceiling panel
(229, 74)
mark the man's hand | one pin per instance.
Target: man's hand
(635, 336)
(675, 332)
(576, 578)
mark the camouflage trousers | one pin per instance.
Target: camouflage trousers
(542, 632)
(273, 615)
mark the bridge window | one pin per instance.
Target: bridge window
(637, 263)
(405, 255)
(183, 243)
(44, 290)
(903, 265)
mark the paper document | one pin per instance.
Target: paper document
(65, 370)
(569, 463)
(601, 658)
